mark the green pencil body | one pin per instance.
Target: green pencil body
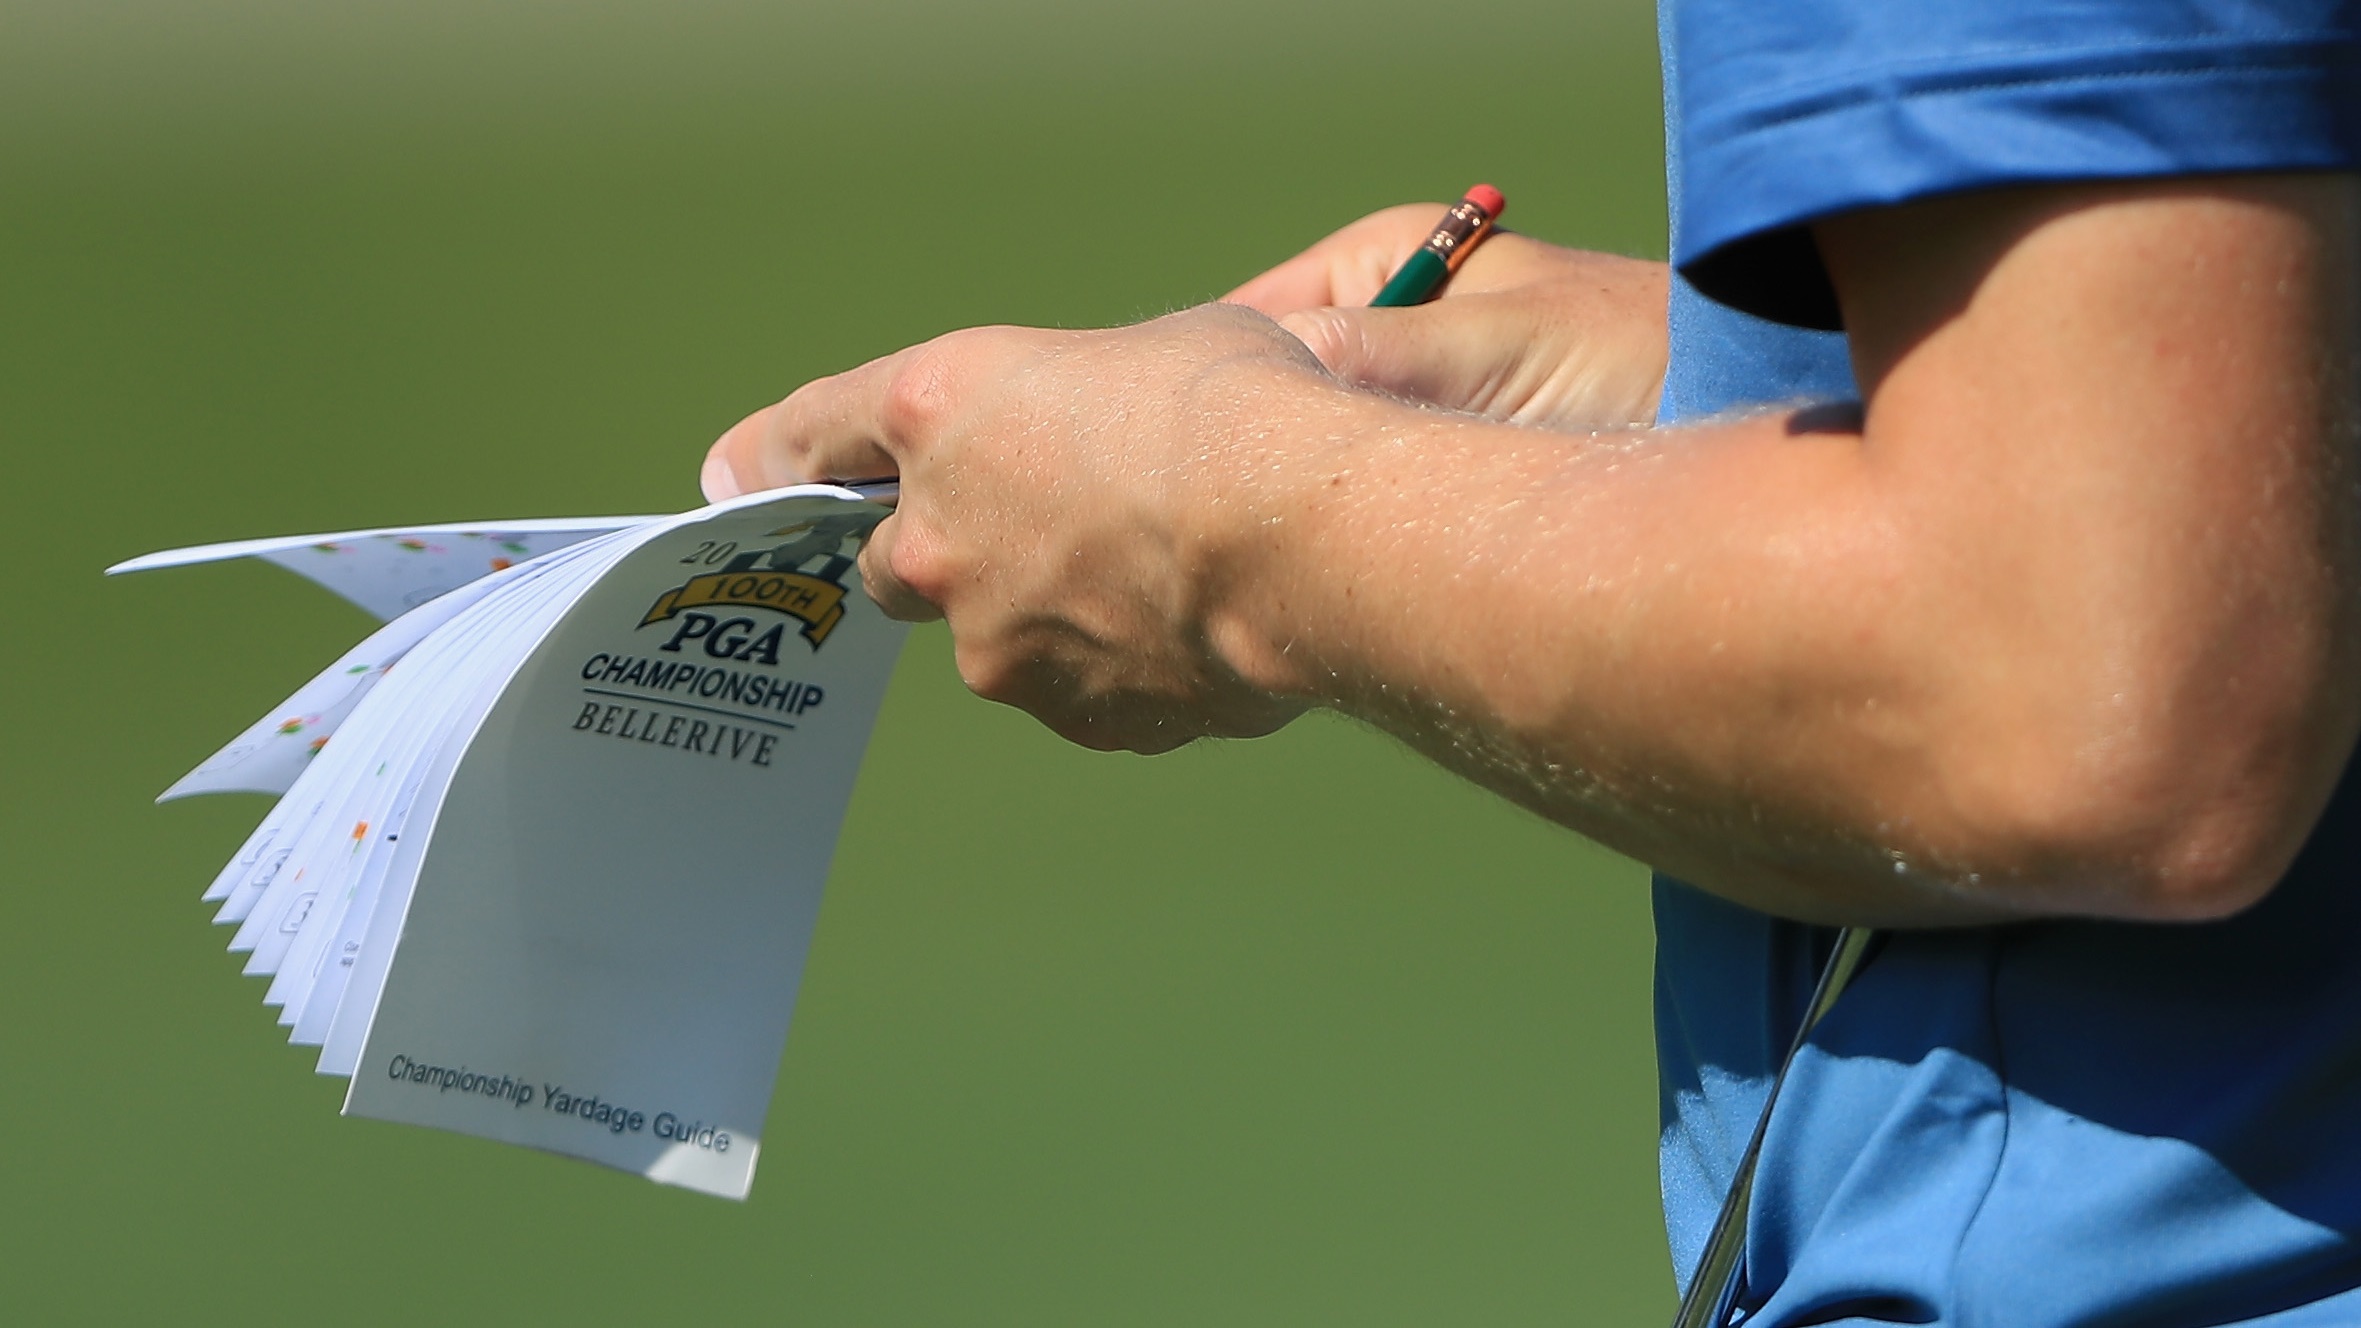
(1415, 282)
(1454, 238)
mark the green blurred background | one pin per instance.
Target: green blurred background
(1292, 1031)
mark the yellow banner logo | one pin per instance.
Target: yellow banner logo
(817, 604)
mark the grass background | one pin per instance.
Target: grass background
(1285, 1032)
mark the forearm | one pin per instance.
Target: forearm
(1781, 665)
(2069, 624)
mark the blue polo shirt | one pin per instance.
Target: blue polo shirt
(2050, 1123)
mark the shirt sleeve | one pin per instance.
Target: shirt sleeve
(1786, 111)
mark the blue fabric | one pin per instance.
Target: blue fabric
(2056, 1123)
(1796, 109)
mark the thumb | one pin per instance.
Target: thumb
(1460, 353)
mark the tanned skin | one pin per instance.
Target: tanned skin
(2065, 620)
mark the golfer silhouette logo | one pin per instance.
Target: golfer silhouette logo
(802, 578)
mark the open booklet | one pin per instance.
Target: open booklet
(550, 843)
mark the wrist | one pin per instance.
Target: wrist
(1279, 451)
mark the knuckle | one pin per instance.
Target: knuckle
(921, 391)
(895, 596)
(929, 380)
(1326, 333)
(988, 673)
(916, 559)
(780, 436)
(891, 600)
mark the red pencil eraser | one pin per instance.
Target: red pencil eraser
(1489, 199)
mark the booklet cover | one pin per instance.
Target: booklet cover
(550, 844)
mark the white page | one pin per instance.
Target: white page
(276, 748)
(620, 883)
(333, 840)
(260, 898)
(278, 832)
(378, 932)
(391, 570)
(376, 812)
(248, 857)
(413, 714)
(309, 1012)
(359, 757)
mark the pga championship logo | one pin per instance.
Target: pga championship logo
(801, 579)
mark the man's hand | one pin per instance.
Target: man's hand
(1091, 629)
(2069, 623)
(1059, 496)
(1526, 331)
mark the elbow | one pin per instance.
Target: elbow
(2221, 856)
(2182, 814)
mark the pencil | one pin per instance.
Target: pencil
(1456, 236)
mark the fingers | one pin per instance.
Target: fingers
(884, 583)
(754, 446)
(856, 425)
(836, 428)
(1465, 354)
(1347, 267)
(1547, 336)
(1352, 265)
(1083, 709)
(1032, 511)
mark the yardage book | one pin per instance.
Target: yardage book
(549, 844)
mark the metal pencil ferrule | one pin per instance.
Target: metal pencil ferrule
(1457, 233)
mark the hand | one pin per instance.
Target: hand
(2065, 626)
(1059, 497)
(1526, 331)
